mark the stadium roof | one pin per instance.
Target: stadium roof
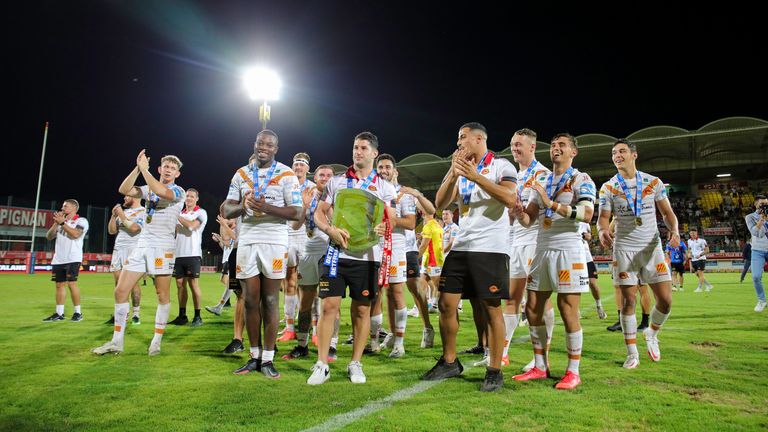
(737, 145)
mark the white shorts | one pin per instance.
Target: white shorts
(520, 260)
(649, 265)
(119, 259)
(398, 267)
(561, 271)
(152, 261)
(309, 269)
(256, 259)
(295, 249)
(433, 272)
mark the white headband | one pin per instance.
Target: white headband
(304, 161)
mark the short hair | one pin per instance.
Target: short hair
(759, 197)
(475, 126)
(172, 159)
(370, 137)
(527, 132)
(301, 156)
(268, 132)
(73, 202)
(630, 144)
(571, 138)
(194, 190)
(386, 156)
(693, 230)
(324, 166)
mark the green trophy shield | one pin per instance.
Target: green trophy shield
(358, 212)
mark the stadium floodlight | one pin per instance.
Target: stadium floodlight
(263, 85)
(724, 175)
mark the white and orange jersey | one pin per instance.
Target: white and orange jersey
(520, 235)
(282, 191)
(405, 205)
(377, 187)
(301, 232)
(69, 250)
(564, 232)
(318, 243)
(484, 222)
(125, 238)
(697, 248)
(629, 235)
(159, 230)
(188, 241)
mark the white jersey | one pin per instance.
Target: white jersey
(697, 248)
(69, 250)
(160, 230)
(125, 238)
(630, 236)
(585, 228)
(227, 252)
(564, 232)
(379, 188)
(318, 243)
(405, 205)
(282, 191)
(410, 241)
(520, 235)
(449, 233)
(484, 220)
(301, 232)
(189, 242)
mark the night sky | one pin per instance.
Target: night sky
(114, 77)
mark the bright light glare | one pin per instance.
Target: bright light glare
(723, 175)
(262, 84)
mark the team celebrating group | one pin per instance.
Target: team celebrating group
(519, 240)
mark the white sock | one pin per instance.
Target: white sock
(401, 319)
(290, 311)
(629, 328)
(121, 316)
(315, 314)
(549, 322)
(267, 356)
(461, 304)
(256, 352)
(599, 303)
(60, 309)
(77, 309)
(510, 324)
(161, 320)
(376, 321)
(335, 336)
(136, 310)
(225, 296)
(657, 320)
(538, 335)
(573, 342)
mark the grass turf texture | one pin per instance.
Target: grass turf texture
(712, 374)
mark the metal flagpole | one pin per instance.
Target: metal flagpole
(31, 269)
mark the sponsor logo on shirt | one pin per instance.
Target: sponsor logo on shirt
(158, 262)
(493, 289)
(623, 275)
(579, 266)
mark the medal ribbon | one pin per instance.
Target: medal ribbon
(550, 193)
(465, 186)
(637, 206)
(259, 191)
(521, 184)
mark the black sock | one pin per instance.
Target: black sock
(645, 319)
(197, 313)
(182, 311)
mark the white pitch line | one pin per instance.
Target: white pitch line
(339, 421)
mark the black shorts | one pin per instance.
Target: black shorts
(225, 268)
(187, 267)
(231, 266)
(678, 267)
(476, 275)
(591, 270)
(412, 264)
(65, 272)
(362, 278)
(698, 265)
